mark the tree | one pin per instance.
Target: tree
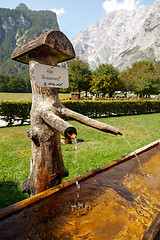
(157, 78)
(124, 77)
(10, 83)
(79, 75)
(105, 79)
(142, 78)
(16, 84)
(3, 83)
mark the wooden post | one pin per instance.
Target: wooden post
(47, 168)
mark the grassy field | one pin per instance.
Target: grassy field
(24, 96)
(96, 149)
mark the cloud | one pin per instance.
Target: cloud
(58, 11)
(112, 5)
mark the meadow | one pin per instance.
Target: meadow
(95, 149)
(24, 96)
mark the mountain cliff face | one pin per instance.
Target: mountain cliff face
(121, 38)
(18, 26)
(145, 45)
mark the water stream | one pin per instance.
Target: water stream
(74, 142)
(138, 160)
(77, 204)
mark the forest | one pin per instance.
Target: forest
(141, 78)
(14, 84)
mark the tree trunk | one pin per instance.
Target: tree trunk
(47, 168)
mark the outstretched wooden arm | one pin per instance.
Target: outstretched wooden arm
(58, 123)
(67, 113)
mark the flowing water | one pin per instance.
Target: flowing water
(74, 142)
(78, 185)
(138, 160)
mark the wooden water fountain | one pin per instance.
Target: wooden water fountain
(42, 54)
(116, 201)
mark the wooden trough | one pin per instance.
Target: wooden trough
(116, 201)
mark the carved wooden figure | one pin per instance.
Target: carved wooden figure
(47, 168)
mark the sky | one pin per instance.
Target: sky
(76, 15)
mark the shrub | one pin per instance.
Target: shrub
(11, 111)
(113, 108)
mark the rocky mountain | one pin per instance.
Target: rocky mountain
(121, 38)
(18, 26)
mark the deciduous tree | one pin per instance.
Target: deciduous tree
(105, 79)
(142, 78)
(79, 75)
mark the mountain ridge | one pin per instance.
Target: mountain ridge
(18, 26)
(117, 38)
(120, 38)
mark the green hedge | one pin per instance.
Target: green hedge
(113, 108)
(11, 111)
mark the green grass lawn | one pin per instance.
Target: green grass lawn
(24, 96)
(96, 149)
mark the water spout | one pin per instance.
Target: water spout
(119, 133)
(67, 113)
(73, 136)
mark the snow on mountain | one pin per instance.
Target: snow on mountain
(121, 38)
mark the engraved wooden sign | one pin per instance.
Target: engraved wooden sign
(51, 76)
